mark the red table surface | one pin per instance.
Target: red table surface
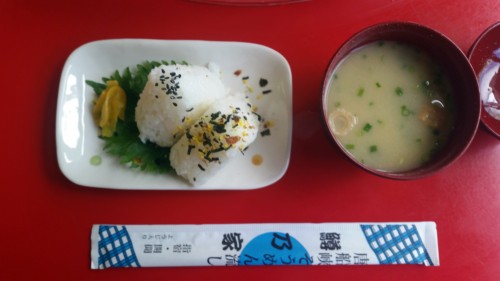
(47, 219)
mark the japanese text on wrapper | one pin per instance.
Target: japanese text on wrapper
(330, 241)
(277, 249)
(157, 243)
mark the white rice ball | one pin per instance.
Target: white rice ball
(225, 130)
(173, 98)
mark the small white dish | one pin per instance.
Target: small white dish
(77, 135)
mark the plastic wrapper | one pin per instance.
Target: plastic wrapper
(264, 244)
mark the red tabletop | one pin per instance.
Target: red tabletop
(47, 219)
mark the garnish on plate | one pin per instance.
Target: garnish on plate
(123, 140)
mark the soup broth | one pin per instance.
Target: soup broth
(390, 106)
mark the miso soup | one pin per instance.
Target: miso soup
(390, 105)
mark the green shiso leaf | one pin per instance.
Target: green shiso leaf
(97, 87)
(130, 150)
(125, 144)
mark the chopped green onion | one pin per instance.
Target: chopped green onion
(361, 91)
(405, 111)
(349, 146)
(378, 85)
(96, 160)
(398, 91)
(426, 87)
(367, 127)
(373, 148)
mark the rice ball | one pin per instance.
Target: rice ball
(173, 98)
(225, 130)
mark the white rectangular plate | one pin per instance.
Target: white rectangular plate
(77, 135)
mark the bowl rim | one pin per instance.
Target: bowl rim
(491, 124)
(419, 172)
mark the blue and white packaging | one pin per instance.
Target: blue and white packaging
(264, 244)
